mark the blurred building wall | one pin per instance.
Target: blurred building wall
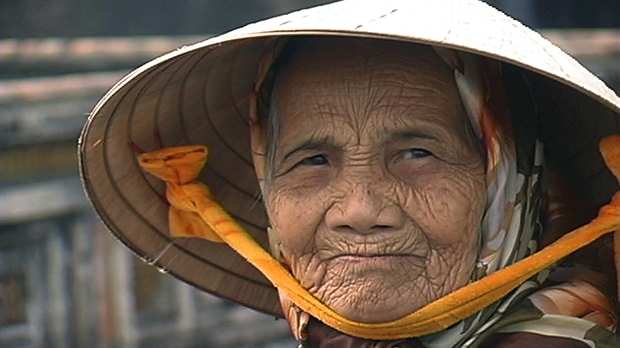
(70, 18)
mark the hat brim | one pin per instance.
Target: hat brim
(199, 95)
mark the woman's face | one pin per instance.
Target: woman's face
(377, 188)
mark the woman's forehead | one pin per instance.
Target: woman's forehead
(366, 82)
(323, 56)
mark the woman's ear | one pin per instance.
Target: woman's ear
(274, 244)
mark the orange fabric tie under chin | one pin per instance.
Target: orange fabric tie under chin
(195, 213)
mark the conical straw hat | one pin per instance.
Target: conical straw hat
(199, 95)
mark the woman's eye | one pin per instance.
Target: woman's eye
(318, 160)
(414, 153)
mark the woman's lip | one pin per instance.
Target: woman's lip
(383, 262)
(377, 257)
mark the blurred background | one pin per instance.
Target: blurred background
(64, 281)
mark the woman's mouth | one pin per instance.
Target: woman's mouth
(378, 260)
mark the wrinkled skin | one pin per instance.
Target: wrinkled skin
(377, 188)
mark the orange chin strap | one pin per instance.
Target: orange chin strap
(195, 213)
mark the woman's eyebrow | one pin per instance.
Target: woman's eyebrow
(408, 134)
(310, 144)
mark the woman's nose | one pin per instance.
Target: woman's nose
(364, 210)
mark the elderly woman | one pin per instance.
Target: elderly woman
(413, 169)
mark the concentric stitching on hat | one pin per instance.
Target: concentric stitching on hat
(113, 114)
(226, 271)
(166, 65)
(181, 111)
(240, 114)
(181, 119)
(207, 114)
(187, 140)
(222, 138)
(181, 99)
(183, 127)
(113, 183)
(208, 167)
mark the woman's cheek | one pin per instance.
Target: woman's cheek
(296, 213)
(303, 180)
(469, 209)
(294, 218)
(412, 171)
(447, 205)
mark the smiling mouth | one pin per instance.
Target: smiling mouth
(378, 258)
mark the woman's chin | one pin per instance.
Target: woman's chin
(376, 305)
(375, 293)
(375, 314)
